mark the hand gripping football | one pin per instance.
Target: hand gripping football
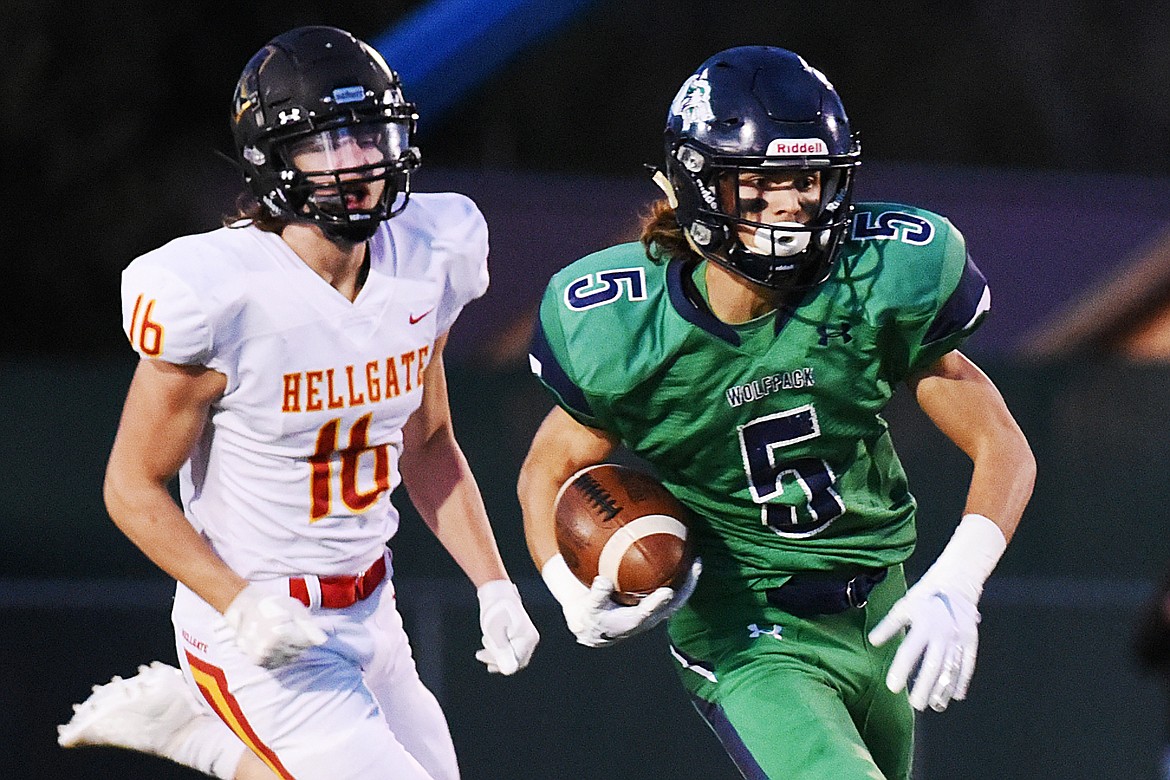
(625, 525)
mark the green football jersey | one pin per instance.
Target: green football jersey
(771, 432)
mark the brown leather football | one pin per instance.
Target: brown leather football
(624, 524)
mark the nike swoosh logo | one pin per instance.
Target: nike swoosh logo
(415, 320)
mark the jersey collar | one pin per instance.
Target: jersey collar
(689, 303)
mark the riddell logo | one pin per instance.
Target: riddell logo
(796, 147)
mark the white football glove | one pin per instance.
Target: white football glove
(941, 611)
(596, 620)
(509, 637)
(270, 628)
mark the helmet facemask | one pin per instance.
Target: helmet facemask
(347, 179)
(726, 221)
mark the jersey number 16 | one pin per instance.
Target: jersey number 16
(322, 460)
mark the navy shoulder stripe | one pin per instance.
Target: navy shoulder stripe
(967, 304)
(546, 366)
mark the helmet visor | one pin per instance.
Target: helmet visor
(346, 168)
(350, 147)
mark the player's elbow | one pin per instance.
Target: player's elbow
(526, 477)
(1007, 455)
(1026, 466)
(1016, 456)
(125, 493)
(116, 494)
(540, 476)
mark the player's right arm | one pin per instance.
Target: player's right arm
(574, 435)
(171, 307)
(165, 410)
(562, 447)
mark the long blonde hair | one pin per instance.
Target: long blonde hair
(662, 236)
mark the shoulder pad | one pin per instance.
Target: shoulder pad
(443, 234)
(171, 297)
(921, 255)
(912, 268)
(601, 321)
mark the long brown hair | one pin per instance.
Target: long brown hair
(250, 211)
(661, 235)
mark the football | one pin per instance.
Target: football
(623, 524)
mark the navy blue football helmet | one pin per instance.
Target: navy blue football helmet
(316, 93)
(760, 109)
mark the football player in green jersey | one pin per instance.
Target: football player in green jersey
(745, 348)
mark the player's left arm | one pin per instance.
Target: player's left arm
(967, 407)
(446, 495)
(941, 609)
(440, 483)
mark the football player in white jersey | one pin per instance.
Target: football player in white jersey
(292, 375)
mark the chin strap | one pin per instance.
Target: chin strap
(353, 233)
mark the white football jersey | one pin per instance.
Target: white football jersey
(294, 472)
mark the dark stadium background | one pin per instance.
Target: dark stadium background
(1041, 128)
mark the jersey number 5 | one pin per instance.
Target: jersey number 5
(322, 460)
(812, 503)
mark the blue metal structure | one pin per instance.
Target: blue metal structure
(446, 48)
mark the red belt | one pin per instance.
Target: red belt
(340, 592)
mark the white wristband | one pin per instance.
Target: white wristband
(972, 553)
(563, 584)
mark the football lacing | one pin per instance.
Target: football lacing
(599, 497)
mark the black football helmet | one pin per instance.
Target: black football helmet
(760, 109)
(317, 94)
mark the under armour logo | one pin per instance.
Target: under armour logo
(291, 115)
(755, 632)
(828, 332)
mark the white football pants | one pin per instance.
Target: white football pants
(351, 709)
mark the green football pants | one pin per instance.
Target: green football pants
(796, 698)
